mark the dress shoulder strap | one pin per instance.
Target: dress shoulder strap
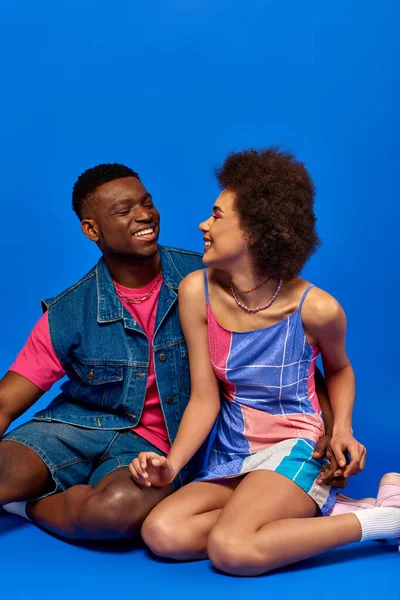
(206, 284)
(305, 295)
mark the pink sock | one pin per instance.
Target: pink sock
(389, 495)
(345, 505)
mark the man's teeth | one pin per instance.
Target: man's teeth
(208, 244)
(143, 232)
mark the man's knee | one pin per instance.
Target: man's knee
(119, 509)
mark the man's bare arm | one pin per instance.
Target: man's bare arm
(17, 394)
(324, 402)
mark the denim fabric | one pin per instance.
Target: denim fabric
(77, 455)
(105, 353)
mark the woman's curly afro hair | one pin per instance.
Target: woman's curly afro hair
(274, 198)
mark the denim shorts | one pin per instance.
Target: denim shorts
(77, 455)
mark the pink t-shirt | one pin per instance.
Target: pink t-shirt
(38, 362)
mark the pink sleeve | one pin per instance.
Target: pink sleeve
(37, 360)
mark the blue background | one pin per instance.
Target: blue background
(169, 88)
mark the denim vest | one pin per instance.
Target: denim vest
(105, 352)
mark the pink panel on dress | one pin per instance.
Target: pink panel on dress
(220, 341)
(260, 426)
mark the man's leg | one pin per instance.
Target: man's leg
(23, 474)
(95, 497)
(115, 508)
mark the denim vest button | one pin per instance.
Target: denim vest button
(163, 357)
(131, 415)
(169, 400)
(91, 375)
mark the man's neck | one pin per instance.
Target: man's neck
(133, 272)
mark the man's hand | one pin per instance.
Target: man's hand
(322, 446)
(150, 469)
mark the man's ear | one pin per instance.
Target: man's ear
(90, 229)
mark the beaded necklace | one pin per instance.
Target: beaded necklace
(258, 308)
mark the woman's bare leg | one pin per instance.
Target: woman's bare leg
(179, 526)
(269, 522)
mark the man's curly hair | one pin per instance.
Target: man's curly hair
(274, 198)
(91, 179)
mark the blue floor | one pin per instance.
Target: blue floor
(38, 566)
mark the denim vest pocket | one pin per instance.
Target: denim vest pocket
(96, 383)
(96, 374)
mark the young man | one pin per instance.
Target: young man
(116, 335)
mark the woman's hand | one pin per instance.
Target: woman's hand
(150, 469)
(330, 474)
(349, 453)
(336, 473)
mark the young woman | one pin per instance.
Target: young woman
(254, 330)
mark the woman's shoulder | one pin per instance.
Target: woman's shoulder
(319, 306)
(196, 280)
(192, 299)
(192, 283)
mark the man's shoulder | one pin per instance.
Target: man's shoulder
(82, 285)
(185, 261)
(182, 252)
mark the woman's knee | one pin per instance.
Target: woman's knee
(164, 536)
(223, 549)
(229, 552)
